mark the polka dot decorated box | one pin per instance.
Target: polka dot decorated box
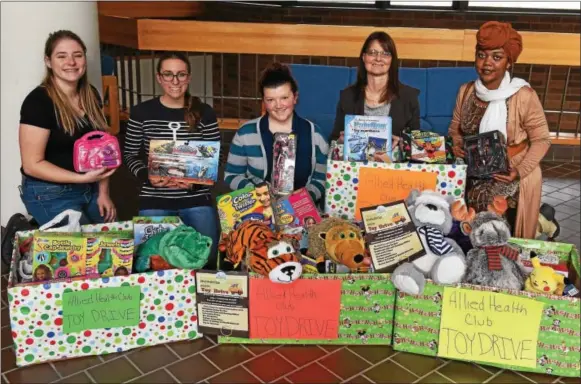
(167, 313)
(343, 179)
(418, 321)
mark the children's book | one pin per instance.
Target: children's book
(193, 162)
(366, 136)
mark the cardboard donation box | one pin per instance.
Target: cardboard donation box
(320, 309)
(73, 317)
(517, 330)
(355, 185)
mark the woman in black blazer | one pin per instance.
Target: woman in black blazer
(378, 90)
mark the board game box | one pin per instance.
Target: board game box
(424, 147)
(366, 137)
(193, 162)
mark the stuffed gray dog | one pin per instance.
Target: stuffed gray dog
(492, 262)
(444, 261)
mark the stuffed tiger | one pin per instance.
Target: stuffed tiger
(265, 252)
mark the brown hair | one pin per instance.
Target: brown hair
(192, 104)
(66, 114)
(388, 45)
(275, 75)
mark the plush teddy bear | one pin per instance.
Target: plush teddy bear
(444, 261)
(339, 241)
(492, 262)
(264, 251)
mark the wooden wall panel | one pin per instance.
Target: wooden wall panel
(156, 9)
(288, 39)
(119, 31)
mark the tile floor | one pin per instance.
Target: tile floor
(205, 361)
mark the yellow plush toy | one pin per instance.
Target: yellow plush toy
(544, 279)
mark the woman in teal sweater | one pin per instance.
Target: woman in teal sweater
(251, 152)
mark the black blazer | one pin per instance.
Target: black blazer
(404, 111)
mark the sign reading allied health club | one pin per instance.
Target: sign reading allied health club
(489, 327)
(101, 308)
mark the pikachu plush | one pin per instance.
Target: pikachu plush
(544, 279)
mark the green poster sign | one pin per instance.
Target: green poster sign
(101, 308)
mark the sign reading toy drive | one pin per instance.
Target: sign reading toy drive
(489, 327)
(305, 309)
(379, 186)
(101, 308)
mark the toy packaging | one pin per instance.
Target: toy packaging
(366, 136)
(96, 150)
(109, 254)
(58, 255)
(424, 147)
(486, 154)
(144, 227)
(193, 162)
(249, 203)
(283, 167)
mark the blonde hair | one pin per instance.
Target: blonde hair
(66, 114)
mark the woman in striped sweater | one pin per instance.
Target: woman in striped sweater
(156, 119)
(251, 151)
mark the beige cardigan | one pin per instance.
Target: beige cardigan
(526, 121)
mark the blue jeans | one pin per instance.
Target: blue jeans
(202, 219)
(44, 200)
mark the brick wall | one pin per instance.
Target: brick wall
(243, 82)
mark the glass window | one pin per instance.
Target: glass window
(569, 5)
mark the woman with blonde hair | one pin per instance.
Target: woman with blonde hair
(52, 117)
(497, 101)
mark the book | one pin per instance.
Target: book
(366, 136)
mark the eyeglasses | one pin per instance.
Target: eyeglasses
(374, 53)
(168, 76)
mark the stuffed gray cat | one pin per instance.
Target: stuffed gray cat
(492, 262)
(444, 261)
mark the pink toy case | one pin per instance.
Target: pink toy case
(96, 150)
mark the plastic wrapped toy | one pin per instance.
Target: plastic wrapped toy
(283, 168)
(486, 154)
(96, 150)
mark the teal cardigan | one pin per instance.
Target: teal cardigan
(247, 162)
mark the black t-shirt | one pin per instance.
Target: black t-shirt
(39, 110)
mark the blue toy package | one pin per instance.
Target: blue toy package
(145, 227)
(367, 136)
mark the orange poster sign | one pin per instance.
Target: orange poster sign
(305, 309)
(379, 186)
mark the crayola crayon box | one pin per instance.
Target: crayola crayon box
(58, 255)
(250, 203)
(109, 254)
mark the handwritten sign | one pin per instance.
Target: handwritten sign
(489, 327)
(379, 186)
(305, 309)
(101, 308)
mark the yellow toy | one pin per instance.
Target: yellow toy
(544, 279)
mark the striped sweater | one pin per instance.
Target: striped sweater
(247, 160)
(150, 121)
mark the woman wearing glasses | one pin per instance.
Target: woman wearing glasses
(377, 91)
(157, 119)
